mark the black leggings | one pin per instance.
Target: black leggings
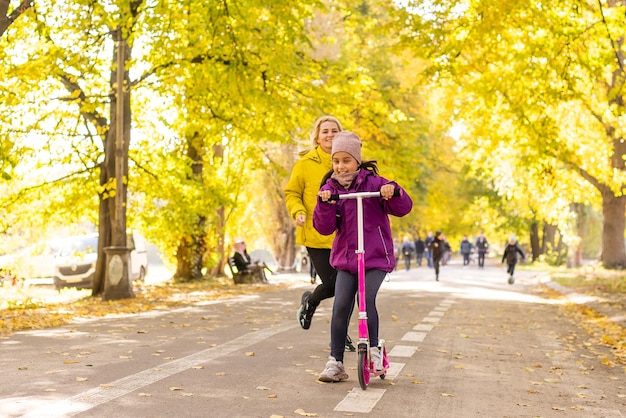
(345, 292)
(320, 258)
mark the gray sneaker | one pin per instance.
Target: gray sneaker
(377, 358)
(334, 371)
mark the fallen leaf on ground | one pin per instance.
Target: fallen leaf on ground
(272, 396)
(250, 353)
(304, 414)
(145, 395)
(262, 388)
(81, 379)
(175, 388)
(447, 395)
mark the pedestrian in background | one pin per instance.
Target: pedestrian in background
(510, 255)
(408, 248)
(420, 247)
(428, 252)
(437, 250)
(482, 247)
(466, 250)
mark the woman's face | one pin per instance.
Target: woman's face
(344, 163)
(328, 130)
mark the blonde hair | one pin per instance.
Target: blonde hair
(316, 128)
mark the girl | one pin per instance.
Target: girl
(350, 175)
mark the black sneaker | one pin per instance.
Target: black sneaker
(349, 345)
(305, 311)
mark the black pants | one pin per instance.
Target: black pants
(481, 259)
(466, 259)
(418, 259)
(511, 268)
(436, 261)
(320, 259)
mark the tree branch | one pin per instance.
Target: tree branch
(7, 20)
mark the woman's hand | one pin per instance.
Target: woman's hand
(300, 219)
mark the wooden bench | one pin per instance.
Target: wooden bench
(241, 277)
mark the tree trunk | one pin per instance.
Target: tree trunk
(192, 248)
(110, 232)
(282, 234)
(549, 236)
(534, 241)
(613, 254)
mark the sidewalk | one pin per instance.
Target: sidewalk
(603, 307)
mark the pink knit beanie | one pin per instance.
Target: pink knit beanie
(347, 142)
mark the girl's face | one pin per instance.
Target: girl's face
(344, 163)
(328, 130)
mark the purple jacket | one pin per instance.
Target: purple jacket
(342, 217)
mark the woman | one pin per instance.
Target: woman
(300, 199)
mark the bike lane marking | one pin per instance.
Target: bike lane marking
(359, 400)
(120, 387)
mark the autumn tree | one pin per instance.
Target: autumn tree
(543, 85)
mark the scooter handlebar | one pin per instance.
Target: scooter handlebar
(336, 197)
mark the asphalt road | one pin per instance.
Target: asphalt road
(470, 345)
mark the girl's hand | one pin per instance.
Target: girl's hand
(386, 191)
(325, 195)
(300, 219)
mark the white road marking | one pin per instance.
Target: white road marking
(431, 319)
(100, 395)
(414, 336)
(394, 370)
(403, 351)
(436, 313)
(359, 400)
(423, 327)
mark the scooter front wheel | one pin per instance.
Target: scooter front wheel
(363, 369)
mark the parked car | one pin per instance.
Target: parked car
(75, 265)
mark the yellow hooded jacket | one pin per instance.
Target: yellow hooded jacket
(301, 195)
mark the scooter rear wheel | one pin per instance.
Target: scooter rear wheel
(363, 369)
